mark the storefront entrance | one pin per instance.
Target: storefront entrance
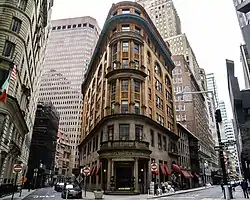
(124, 175)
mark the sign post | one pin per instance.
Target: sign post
(86, 172)
(16, 169)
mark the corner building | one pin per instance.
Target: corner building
(128, 115)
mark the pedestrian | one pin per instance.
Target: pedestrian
(222, 187)
(244, 186)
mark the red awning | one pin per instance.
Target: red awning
(155, 172)
(190, 174)
(93, 170)
(196, 175)
(163, 169)
(185, 173)
(167, 169)
(176, 168)
(98, 169)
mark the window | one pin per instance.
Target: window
(138, 132)
(150, 112)
(124, 131)
(124, 85)
(22, 4)
(152, 138)
(136, 48)
(113, 87)
(124, 63)
(111, 132)
(137, 108)
(112, 108)
(148, 57)
(125, 46)
(79, 25)
(16, 24)
(157, 68)
(125, 11)
(158, 85)
(159, 102)
(9, 48)
(115, 48)
(125, 27)
(160, 119)
(164, 143)
(124, 107)
(74, 25)
(64, 27)
(69, 26)
(149, 77)
(137, 12)
(137, 30)
(137, 86)
(159, 141)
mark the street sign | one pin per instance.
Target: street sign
(218, 148)
(86, 171)
(79, 179)
(18, 168)
(153, 167)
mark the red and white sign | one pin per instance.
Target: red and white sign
(153, 167)
(86, 171)
(18, 168)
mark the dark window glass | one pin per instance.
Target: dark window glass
(22, 4)
(138, 132)
(124, 131)
(152, 138)
(124, 85)
(9, 48)
(16, 24)
(137, 86)
(111, 132)
(124, 107)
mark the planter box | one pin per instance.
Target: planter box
(98, 194)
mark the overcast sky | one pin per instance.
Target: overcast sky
(211, 27)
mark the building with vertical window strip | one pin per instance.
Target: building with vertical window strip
(24, 28)
(128, 117)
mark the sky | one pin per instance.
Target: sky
(211, 26)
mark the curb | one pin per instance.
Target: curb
(181, 192)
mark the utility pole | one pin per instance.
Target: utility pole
(222, 162)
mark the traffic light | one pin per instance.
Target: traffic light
(218, 116)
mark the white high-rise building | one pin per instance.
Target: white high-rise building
(71, 44)
(212, 86)
(164, 16)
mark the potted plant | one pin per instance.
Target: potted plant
(98, 193)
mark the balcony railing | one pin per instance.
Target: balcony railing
(124, 144)
(244, 6)
(132, 65)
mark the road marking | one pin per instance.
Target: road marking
(46, 196)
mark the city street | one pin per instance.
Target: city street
(213, 193)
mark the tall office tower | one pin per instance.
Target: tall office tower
(23, 36)
(129, 118)
(227, 134)
(212, 86)
(191, 111)
(243, 12)
(69, 51)
(164, 16)
(179, 45)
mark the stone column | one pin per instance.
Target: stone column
(136, 175)
(149, 180)
(143, 108)
(108, 174)
(107, 99)
(145, 177)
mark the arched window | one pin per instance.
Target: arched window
(157, 68)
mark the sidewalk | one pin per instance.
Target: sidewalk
(179, 192)
(25, 193)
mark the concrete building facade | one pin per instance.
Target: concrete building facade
(63, 157)
(243, 13)
(164, 16)
(192, 113)
(129, 117)
(23, 37)
(69, 51)
(240, 105)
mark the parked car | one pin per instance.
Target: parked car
(71, 191)
(59, 187)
